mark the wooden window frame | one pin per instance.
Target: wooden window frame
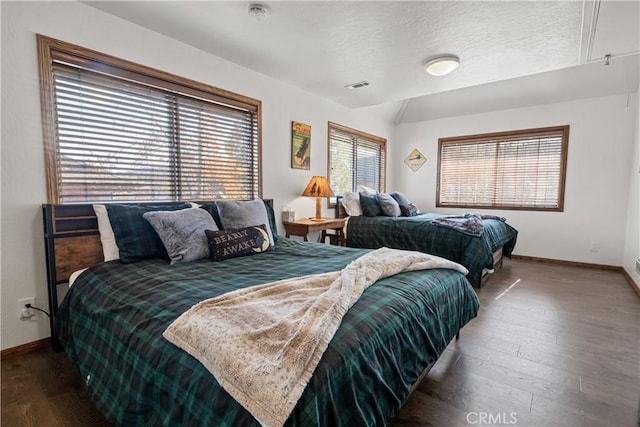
(50, 49)
(354, 133)
(504, 136)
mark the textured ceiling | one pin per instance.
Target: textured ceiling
(323, 46)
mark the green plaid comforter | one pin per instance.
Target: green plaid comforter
(111, 322)
(417, 233)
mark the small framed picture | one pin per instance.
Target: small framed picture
(300, 146)
(415, 160)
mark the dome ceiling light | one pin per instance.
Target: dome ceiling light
(442, 65)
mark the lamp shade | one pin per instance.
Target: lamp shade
(318, 187)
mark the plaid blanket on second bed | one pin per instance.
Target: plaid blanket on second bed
(418, 233)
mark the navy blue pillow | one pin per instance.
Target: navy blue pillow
(409, 210)
(370, 206)
(272, 219)
(135, 236)
(212, 208)
(225, 244)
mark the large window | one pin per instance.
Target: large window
(355, 159)
(510, 170)
(119, 131)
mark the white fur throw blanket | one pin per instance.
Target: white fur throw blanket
(263, 343)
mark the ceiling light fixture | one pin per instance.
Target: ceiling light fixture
(258, 11)
(442, 65)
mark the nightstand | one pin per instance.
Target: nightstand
(303, 227)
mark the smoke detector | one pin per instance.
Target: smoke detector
(258, 11)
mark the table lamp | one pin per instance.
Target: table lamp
(318, 187)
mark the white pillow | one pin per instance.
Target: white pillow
(351, 203)
(107, 238)
(367, 190)
(75, 275)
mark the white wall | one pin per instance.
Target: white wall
(23, 178)
(632, 245)
(601, 142)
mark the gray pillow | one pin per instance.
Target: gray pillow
(182, 232)
(243, 213)
(401, 199)
(388, 205)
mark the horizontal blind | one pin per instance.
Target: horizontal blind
(355, 159)
(520, 170)
(120, 136)
(215, 158)
(114, 139)
(341, 152)
(370, 165)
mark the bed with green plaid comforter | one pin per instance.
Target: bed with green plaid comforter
(111, 322)
(418, 233)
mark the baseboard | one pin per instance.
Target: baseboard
(568, 263)
(25, 348)
(632, 283)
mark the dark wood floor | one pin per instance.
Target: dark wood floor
(552, 346)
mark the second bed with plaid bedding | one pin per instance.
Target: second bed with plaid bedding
(418, 233)
(111, 322)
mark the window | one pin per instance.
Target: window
(119, 131)
(355, 159)
(510, 170)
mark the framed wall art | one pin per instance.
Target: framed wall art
(300, 146)
(415, 160)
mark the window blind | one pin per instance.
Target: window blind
(120, 136)
(355, 159)
(511, 170)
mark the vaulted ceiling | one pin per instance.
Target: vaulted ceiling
(512, 53)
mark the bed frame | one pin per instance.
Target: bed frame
(72, 242)
(497, 255)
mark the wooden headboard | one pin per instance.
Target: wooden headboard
(72, 242)
(340, 212)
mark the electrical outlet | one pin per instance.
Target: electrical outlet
(24, 313)
(595, 247)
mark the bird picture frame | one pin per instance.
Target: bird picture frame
(415, 160)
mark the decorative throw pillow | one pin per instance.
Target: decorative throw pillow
(107, 238)
(363, 189)
(409, 210)
(401, 198)
(212, 208)
(351, 202)
(182, 232)
(135, 237)
(370, 206)
(268, 205)
(244, 213)
(388, 204)
(406, 207)
(225, 244)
